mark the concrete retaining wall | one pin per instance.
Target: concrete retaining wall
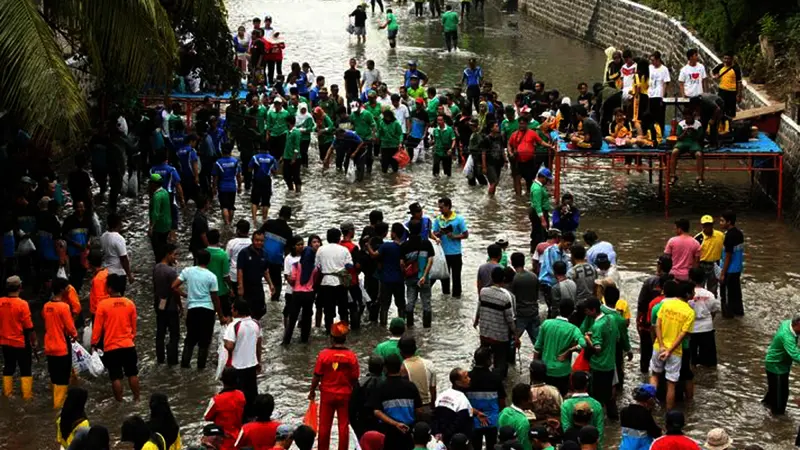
(626, 24)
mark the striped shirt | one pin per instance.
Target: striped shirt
(495, 313)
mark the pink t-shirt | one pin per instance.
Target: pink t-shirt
(683, 250)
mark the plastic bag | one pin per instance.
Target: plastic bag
(365, 298)
(350, 28)
(133, 185)
(581, 364)
(80, 358)
(98, 230)
(468, 167)
(439, 269)
(310, 419)
(26, 247)
(419, 152)
(350, 176)
(96, 366)
(402, 158)
(222, 353)
(86, 338)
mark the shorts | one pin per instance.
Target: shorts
(60, 369)
(690, 148)
(121, 360)
(493, 172)
(227, 200)
(514, 166)
(261, 192)
(393, 34)
(672, 366)
(360, 31)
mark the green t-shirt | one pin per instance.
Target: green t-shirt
(329, 106)
(276, 122)
(418, 92)
(432, 108)
(443, 140)
(388, 347)
(598, 416)
(292, 108)
(511, 417)
(782, 351)
(454, 110)
(540, 199)
(306, 128)
(160, 211)
(363, 124)
(375, 110)
(219, 266)
(325, 134)
(604, 335)
(391, 22)
(450, 21)
(508, 127)
(619, 322)
(555, 337)
(292, 147)
(390, 134)
(261, 117)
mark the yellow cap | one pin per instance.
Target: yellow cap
(706, 219)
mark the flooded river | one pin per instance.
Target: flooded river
(622, 208)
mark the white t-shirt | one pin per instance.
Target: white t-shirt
(628, 73)
(332, 258)
(233, 248)
(692, 78)
(384, 101)
(695, 124)
(659, 77)
(288, 262)
(369, 77)
(401, 114)
(704, 304)
(454, 400)
(246, 340)
(113, 245)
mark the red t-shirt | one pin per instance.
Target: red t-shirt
(226, 410)
(674, 442)
(349, 245)
(524, 144)
(338, 369)
(650, 307)
(258, 435)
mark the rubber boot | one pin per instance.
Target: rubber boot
(427, 318)
(8, 386)
(59, 395)
(410, 319)
(27, 388)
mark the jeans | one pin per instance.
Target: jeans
(304, 152)
(436, 8)
(414, 291)
(167, 321)
(451, 38)
(531, 325)
(389, 290)
(199, 331)
(272, 68)
(538, 232)
(446, 163)
(276, 275)
(301, 306)
(454, 263)
(331, 298)
(356, 306)
(418, 8)
(731, 295)
(387, 159)
(380, 3)
(159, 243)
(712, 283)
(291, 174)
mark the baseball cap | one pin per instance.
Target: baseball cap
(644, 392)
(553, 233)
(601, 258)
(420, 101)
(706, 219)
(545, 172)
(675, 419)
(347, 226)
(459, 441)
(284, 432)
(545, 114)
(267, 17)
(411, 62)
(155, 178)
(13, 280)
(501, 240)
(397, 322)
(539, 433)
(355, 105)
(277, 99)
(588, 435)
(414, 208)
(213, 430)
(421, 431)
(323, 90)
(507, 433)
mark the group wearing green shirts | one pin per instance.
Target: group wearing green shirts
(390, 134)
(605, 334)
(540, 199)
(276, 122)
(219, 265)
(556, 336)
(160, 211)
(363, 124)
(292, 108)
(443, 139)
(620, 323)
(508, 127)
(598, 416)
(374, 109)
(325, 135)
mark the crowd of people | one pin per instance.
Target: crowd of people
(577, 374)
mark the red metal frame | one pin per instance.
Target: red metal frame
(159, 99)
(660, 163)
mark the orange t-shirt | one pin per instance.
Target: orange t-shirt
(99, 290)
(73, 300)
(115, 324)
(15, 318)
(58, 324)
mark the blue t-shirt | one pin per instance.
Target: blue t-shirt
(473, 76)
(417, 128)
(79, 235)
(458, 225)
(262, 165)
(550, 256)
(350, 141)
(9, 244)
(218, 137)
(302, 83)
(200, 283)
(227, 168)
(313, 95)
(169, 176)
(601, 247)
(425, 232)
(390, 256)
(187, 156)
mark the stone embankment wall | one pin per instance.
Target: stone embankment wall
(626, 24)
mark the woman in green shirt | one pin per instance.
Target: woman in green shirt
(291, 156)
(306, 125)
(325, 128)
(390, 134)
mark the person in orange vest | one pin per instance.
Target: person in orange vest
(99, 291)
(114, 331)
(335, 373)
(59, 327)
(17, 338)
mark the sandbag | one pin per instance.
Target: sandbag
(439, 269)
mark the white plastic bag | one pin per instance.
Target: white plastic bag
(61, 273)
(222, 353)
(439, 269)
(80, 358)
(87, 335)
(350, 176)
(98, 230)
(365, 298)
(26, 247)
(96, 366)
(132, 185)
(468, 167)
(419, 152)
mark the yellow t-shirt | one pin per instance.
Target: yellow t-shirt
(621, 307)
(150, 445)
(727, 81)
(711, 248)
(65, 442)
(674, 317)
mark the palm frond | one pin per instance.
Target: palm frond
(36, 85)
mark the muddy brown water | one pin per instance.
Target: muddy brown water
(622, 208)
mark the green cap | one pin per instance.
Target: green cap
(155, 178)
(397, 322)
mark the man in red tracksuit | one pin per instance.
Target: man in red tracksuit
(335, 372)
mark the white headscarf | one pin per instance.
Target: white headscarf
(300, 118)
